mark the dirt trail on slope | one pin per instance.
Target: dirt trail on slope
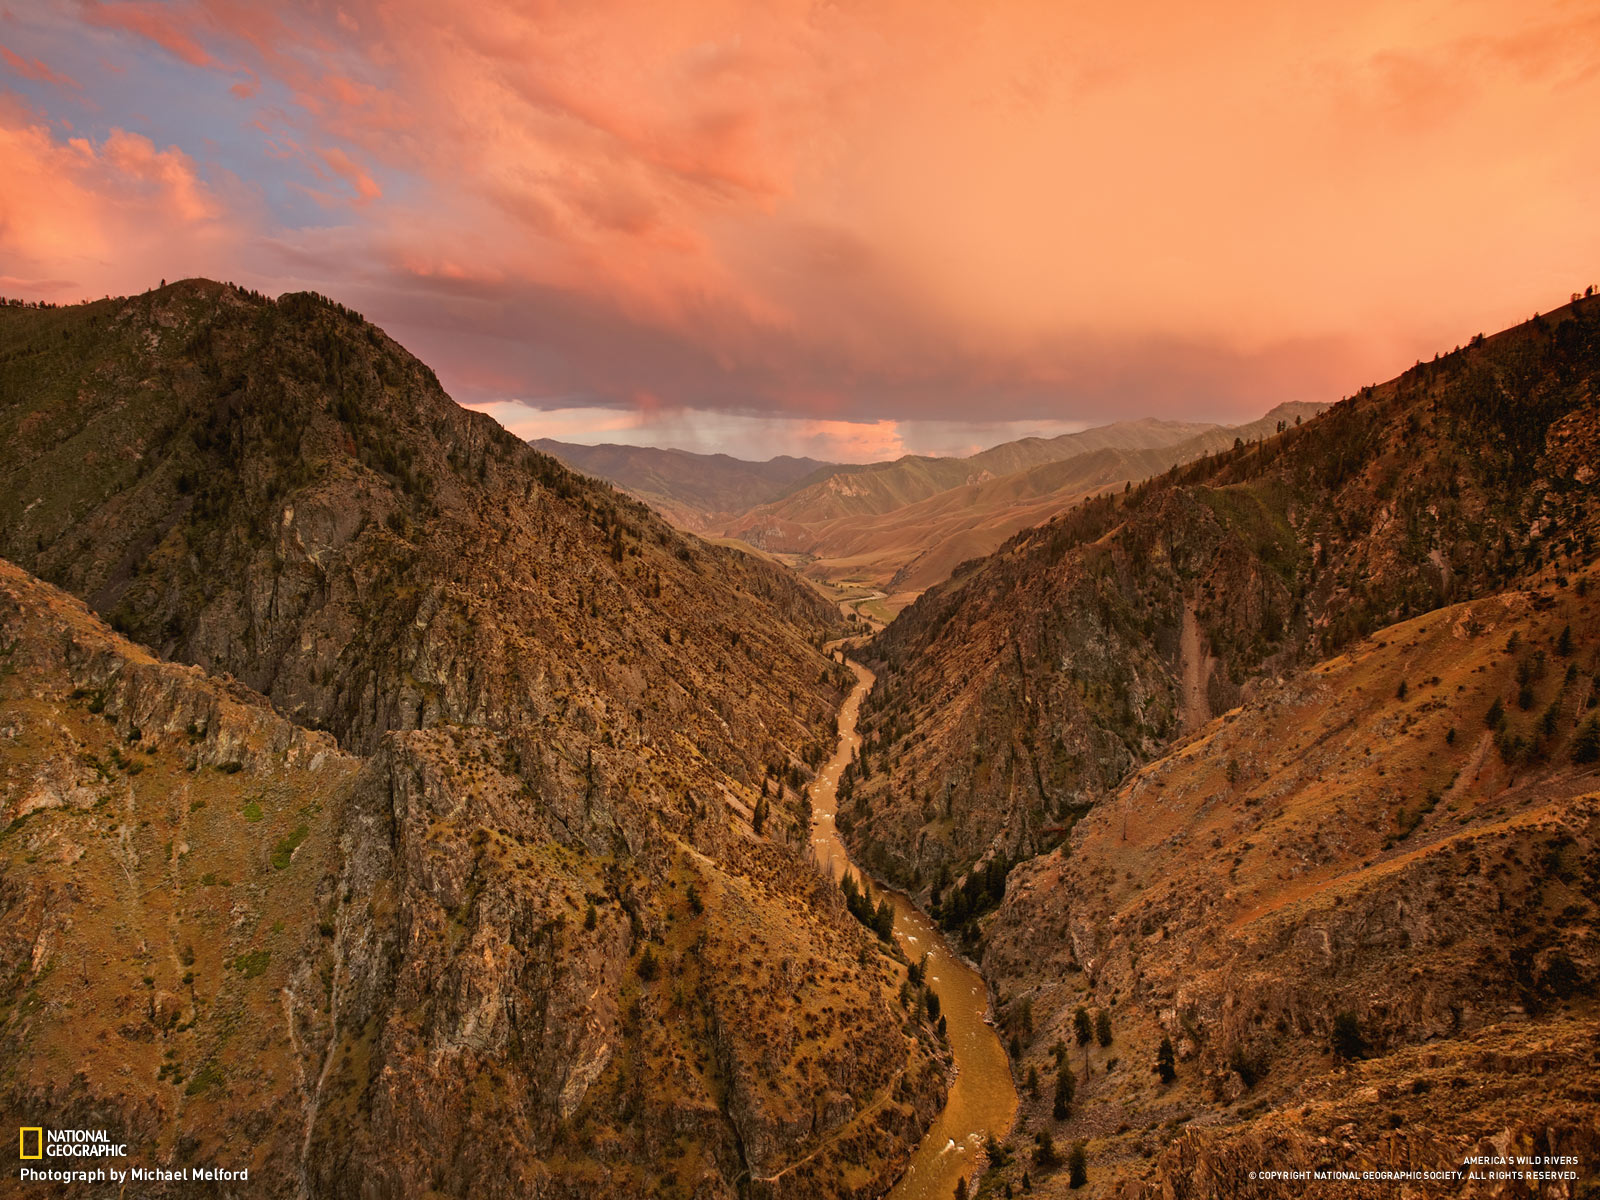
(1197, 667)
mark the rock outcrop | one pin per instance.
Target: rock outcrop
(533, 943)
(1026, 688)
(1284, 765)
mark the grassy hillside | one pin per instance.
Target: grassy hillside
(702, 492)
(1034, 680)
(1360, 909)
(545, 912)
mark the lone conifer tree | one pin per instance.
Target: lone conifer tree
(1066, 1088)
(1078, 1165)
(1165, 1061)
(1083, 1030)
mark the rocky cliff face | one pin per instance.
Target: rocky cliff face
(1026, 688)
(1287, 760)
(1363, 919)
(277, 490)
(535, 919)
(164, 869)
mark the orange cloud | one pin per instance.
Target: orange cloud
(346, 168)
(36, 69)
(900, 208)
(153, 21)
(80, 218)
(170, 174)
(1028, 197)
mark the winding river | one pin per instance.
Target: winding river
(983, 1099)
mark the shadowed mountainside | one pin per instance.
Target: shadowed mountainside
(1037, 678)
(1287, 759)
(507, 936)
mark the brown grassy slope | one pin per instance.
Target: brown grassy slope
(1334, 846)
(231, 944)
(592, 704)
(166, 841)
(919, 545)
(700, 492)
(1031, 683)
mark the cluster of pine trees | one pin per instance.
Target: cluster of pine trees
(858, 899)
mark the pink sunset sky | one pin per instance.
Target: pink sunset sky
(844, 229)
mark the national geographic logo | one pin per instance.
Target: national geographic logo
(36, 1142)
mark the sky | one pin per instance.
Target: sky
(851, 229)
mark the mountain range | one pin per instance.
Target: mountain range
(390, 810)
(1286, 761)
(699, 492)
(899, 527)
(394, 811)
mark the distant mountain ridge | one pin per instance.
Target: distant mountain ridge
(696, 491)
(910, 547)
(882, 487)
(902, 525)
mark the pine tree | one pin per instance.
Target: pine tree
(1166, 1061)
(883, 921)
(1066, 1088)
(1586, 746)
(1348, 1040)
(1083, 1030)
(1102, 1027)
(1078, 1165)
(1045, 1156)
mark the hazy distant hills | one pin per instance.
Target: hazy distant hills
(700, 492)
(879, 488)
(907, 547)
(904, 525)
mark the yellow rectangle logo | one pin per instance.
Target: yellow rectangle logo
(38, 1141)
